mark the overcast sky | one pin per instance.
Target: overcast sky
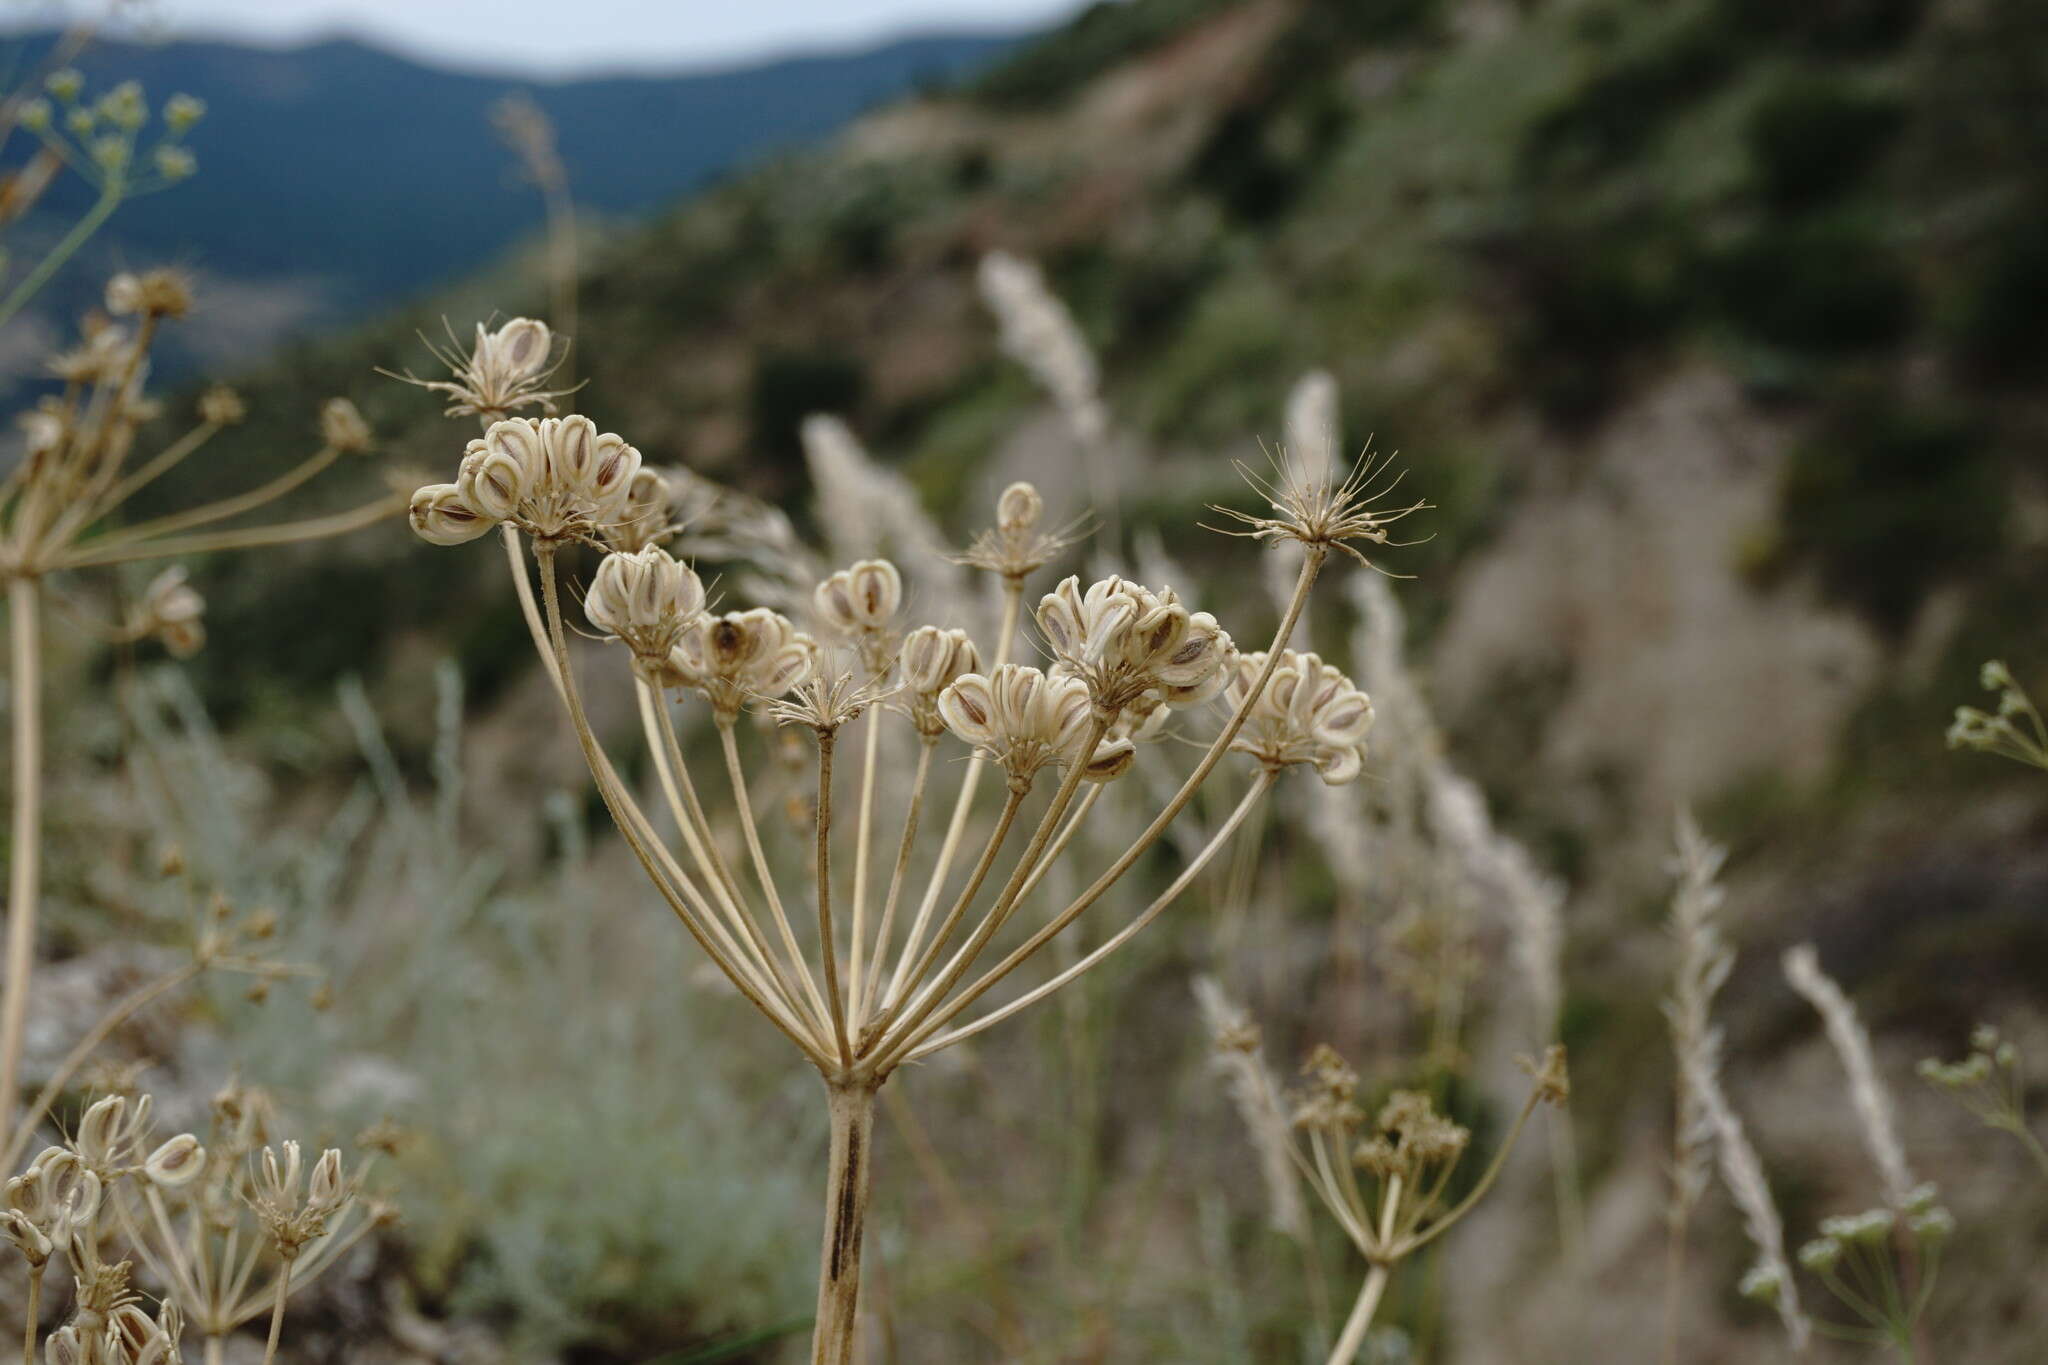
(550, 37)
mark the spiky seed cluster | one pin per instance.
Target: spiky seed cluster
(1124, 641)
(860, 604)
(1322, 511)
(555, 479)
(1018, 718)
(1015, 547)
(294, 1206)
(1309, 713)
(930, 660)
(507, 369)
(735, 658)
(827, 705)
(646, 599)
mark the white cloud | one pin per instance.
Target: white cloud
(545, 37)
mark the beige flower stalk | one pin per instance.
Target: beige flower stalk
(861, 994)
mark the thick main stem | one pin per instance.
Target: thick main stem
(24, 601)
(1360, 1321)
(836, 1334)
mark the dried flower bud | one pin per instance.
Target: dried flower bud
(643, 516)
(1018, 717)
(646, 599)
(1125, 640)
(343, 428)
(163, 293)
(102, 1131)
(176, 1162)
(1019, 508)
(441, 516)
(325, 1189)
(742, 655)
(861, 600)
(495, 479)
(170, 611)
(66, 1347)
(1309, 713)
(222, 406)
(31, 1241)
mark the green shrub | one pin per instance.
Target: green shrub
(790, 385)
(1829, 286)
(1812, 138)
(1887, 500)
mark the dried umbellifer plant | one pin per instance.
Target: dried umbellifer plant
(59, 512)
(1385, 1177)
(862, 983)
(228, 1229)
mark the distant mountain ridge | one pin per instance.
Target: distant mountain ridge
(338, 178)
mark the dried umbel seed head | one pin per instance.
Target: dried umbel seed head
(1322, 511)
(343, 428)
(644, 516)
(170, 611)
(290, 1219)
(440, 515)
(1125, 640)
(506, 370)
(1015, 546)
(827, 705)
(176, 1162)
(931, 658)
(743, 655)
(1019, 718)
(861, 601)
(162, 293)
(555, 479)
(1309, 713)
(646, 600)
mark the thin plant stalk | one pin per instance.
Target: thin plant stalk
(33, 1314)
(1360, 1322)
(1013, 600)
(24, 598)
(284, 1280)
(828, 943)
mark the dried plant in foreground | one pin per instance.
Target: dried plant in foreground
(873, 973)
(59, 510)
(227, 1230)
